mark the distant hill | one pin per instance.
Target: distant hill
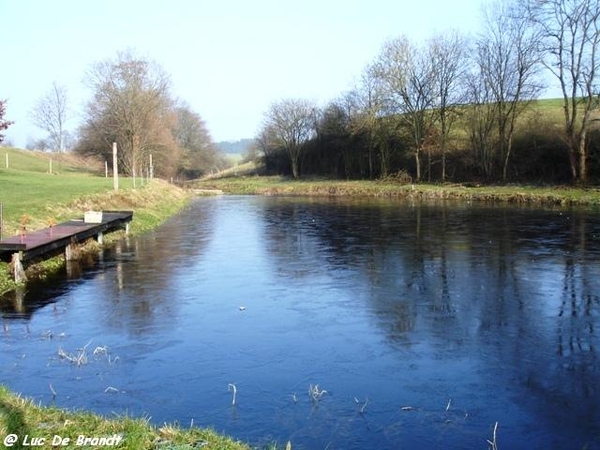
(235, 147)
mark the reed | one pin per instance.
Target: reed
(233, 388)
(315, 392)
(493, 443)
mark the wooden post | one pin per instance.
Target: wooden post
(127, 228)
(71, 251)
(105, 169)
(151, 168)
(115, 169)
(50, 166)
(19, 271)
(100, 238)
(7, 160)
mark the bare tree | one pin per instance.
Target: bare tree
(50, 114)
(449, 53)
(4, 124)
(509, 58)
(292, 123)
(509, 61)
(132, 106)
(367, 107)
(571, 40)
(407, 76)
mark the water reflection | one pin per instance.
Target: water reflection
(464, 315)
(513, 285)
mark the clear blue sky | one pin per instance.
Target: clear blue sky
(229, 59)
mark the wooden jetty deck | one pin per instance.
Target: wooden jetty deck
(53, 240)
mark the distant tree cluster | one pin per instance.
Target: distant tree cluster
(132, 105)
(458, 108)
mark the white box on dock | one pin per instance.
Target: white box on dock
(92, 217)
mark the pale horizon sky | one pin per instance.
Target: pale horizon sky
(229, 60)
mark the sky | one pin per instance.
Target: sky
(228, 59)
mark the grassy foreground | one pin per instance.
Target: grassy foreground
(547, 195)
(24, 421)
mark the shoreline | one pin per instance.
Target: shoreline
(516, 194)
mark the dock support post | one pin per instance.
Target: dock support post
(69, 253)
(100, 238)
(127, 226)
(19, 271)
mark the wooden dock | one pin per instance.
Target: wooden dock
(48, 242)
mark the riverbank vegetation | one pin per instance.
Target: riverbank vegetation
(398, 187)
(23, 418)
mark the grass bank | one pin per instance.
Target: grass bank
(151, 203)
(21, 417)
(546, 195)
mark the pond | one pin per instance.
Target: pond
(342, 324)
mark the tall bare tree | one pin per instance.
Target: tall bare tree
(571, 40)
(132, 105)
(50, 114)
(407, 76)
(509, 61)
(367, 107)
(449, 53)
(4, 124)
(292, 122)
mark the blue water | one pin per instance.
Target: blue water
(443, 319)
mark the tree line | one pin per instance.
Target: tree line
(458, 108)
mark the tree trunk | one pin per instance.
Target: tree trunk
(443, 166)
(506, 158)
(294, 168)
(418, 164)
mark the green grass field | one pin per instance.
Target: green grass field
(35, 194)
(31, 195)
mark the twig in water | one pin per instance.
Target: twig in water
(52, 390)
(79, 359)
(101, 351)
(316, 393)
(231, 387)
(493, 444)
(364, 406)
(295, 397)
(111, 389)
(448, 405)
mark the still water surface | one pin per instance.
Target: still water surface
(425, 324)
